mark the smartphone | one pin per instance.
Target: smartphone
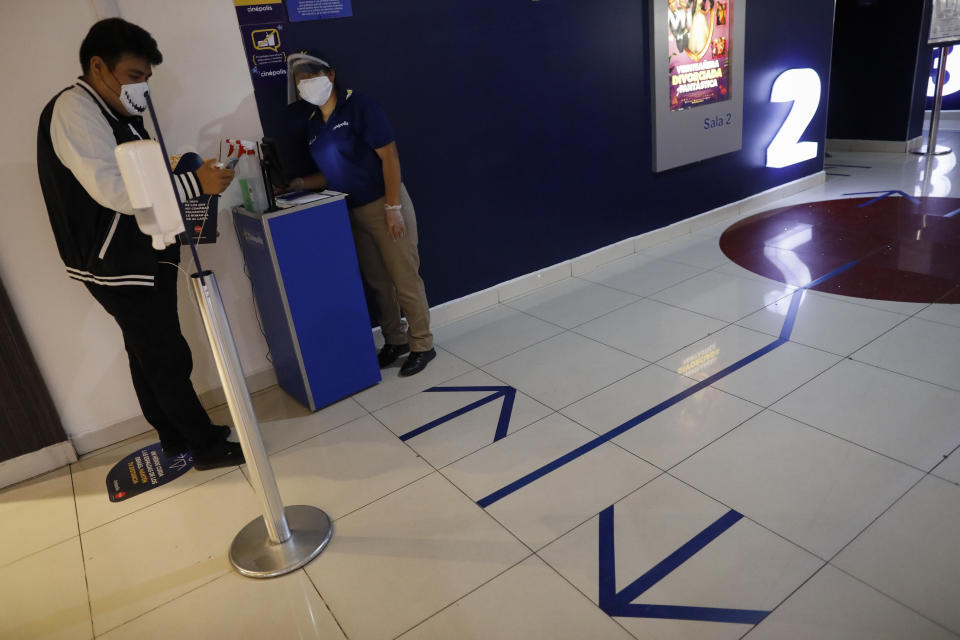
(231, 163)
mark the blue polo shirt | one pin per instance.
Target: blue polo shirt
(343, 147)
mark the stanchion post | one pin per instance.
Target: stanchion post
(283, 540)
(932, 149)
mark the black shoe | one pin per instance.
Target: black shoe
(172, 450)
(174, 447)
(222, 454)
(390, 353)
(417, 362)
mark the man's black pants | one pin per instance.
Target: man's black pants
(160, 359)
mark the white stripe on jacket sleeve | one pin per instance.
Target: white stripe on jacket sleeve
(188, 187)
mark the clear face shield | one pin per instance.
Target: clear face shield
(303, 64)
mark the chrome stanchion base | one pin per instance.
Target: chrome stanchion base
(940, 151)
(254, 555)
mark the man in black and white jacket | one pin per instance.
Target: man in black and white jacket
(102, 246)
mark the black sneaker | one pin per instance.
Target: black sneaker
(390, 352)
(417, 362)
(172, 448)
(222, 454)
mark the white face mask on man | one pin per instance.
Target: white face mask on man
(133, 97)
(315, 90)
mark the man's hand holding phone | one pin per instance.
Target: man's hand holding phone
(215, 179)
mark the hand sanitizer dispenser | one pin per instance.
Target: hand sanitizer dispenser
(147, 179)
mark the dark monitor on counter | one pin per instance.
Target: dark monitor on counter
(272, 169)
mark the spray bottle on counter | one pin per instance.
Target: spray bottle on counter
(250, 177)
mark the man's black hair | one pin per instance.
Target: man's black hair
(112, 38)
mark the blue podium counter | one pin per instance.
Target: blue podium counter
(307, 288)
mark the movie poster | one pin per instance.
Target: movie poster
(699, 44)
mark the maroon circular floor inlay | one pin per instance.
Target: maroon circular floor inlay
(905, 249)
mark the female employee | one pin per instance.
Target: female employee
(353, 146)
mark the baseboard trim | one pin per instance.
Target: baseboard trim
(949, 120)
(97, 439)
(31, 465)
(256, 381)
(89, 441)
(875, 146)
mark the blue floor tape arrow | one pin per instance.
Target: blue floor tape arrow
(885, 194)
(620, 603)
(508, 394)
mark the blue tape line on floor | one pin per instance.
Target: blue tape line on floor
(677, 558)
(607, 594)
(886, 194)
(450, 416)
(785, 332)
(462, 389)
(791, 318)
(835, 272)
(506, 411)
(700, 614)
(623, 428)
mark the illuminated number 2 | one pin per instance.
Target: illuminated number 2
(802, 88)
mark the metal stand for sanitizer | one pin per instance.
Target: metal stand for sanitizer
(283, 539)
(932, 149)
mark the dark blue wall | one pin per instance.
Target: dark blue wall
(924, 60)
(524, 127)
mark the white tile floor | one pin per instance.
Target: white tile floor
(839, 449)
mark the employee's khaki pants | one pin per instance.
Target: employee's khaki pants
(392, 269)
